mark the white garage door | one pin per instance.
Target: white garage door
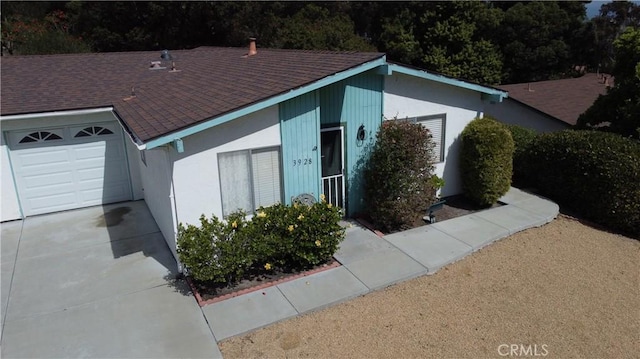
(69, 167)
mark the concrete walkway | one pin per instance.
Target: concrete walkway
(96, 283)
(370, 263)
(99, 282)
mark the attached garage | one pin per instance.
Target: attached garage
(64, 167)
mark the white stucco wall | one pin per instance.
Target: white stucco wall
(195, 171)
(133, 155)
(515, 113)
(156, 185)
(9, 197)
(9, 206)
(409, 96)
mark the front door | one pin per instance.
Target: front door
(332, 157)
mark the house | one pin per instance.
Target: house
(552, 105)
(211, 130)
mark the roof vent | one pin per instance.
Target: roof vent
(252, 47)
(165, 55)
(156, 65)
(173, 67)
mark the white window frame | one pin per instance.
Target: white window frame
(441, 141)
(252, 189)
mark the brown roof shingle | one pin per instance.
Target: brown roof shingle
(211, 82)
(563, 99)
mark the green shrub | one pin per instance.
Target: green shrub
(486, 161)
(298, 236)
(283, 237)
(523, 138)
(216, 251)
(398, 185)
(596, 174)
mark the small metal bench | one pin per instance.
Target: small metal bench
(438, 205)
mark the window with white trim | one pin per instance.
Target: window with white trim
(250, 179)
(436, 124)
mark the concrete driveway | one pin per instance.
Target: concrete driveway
(96, 282)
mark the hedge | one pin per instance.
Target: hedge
(523, 139)
(596, 174)
(486, 160)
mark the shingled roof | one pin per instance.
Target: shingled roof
(212, 81)
(563, 99)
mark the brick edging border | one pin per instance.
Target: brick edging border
(202, 302)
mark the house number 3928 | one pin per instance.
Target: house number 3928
(302, 162)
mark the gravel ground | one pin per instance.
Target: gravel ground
(564, 290)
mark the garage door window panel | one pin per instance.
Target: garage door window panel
(93, 131)
(41, 136)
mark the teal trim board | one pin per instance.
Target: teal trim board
(300, 134)
(162, 140)
(497, 95)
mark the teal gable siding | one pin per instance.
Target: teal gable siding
(300, 132)
(331, 103)
(354, 102)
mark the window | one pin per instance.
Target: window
(436, 125)
(40, 136)
(249, 179)
(93, 131)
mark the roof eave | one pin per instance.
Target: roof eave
(32, 115)
(488, 93)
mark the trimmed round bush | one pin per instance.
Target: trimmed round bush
(486, 161)
(595, 174)
(297, 236)
(216, 251)
(398, 177)
(523, 138)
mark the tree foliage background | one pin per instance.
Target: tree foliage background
(489, 42)
(619, 110)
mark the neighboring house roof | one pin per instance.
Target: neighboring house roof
(211, 81)
(212, 85)
(564, 99)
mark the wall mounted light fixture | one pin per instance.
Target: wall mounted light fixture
(361, 135)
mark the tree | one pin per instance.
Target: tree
(619, 110)
(613, 19)
(398, 38)
(536, 37)
(50, 35)
(457, 42)
(317, 28)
